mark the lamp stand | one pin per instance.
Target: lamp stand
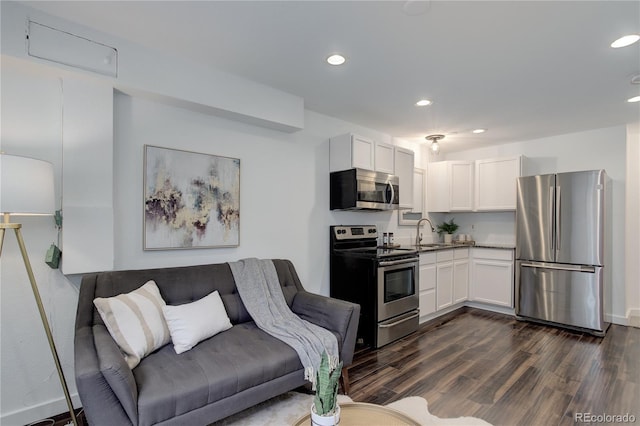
(43, 316)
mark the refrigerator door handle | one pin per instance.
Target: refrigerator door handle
(552, 191)
(573, 268)
(558, 219)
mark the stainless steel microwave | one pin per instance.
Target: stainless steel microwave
(359, 189)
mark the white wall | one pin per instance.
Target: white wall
(32, 126)
(595, 149)
(284, 195)
(284, 213)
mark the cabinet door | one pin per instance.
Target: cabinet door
(427, 289)
(438, 194)
(383, 160)
(404, 169)
(492, 282)
(496, 183)
(362, 153)
(444, 284)
(460, 280)
(418, 191)
(461, 181)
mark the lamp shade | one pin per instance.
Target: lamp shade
(26, 186)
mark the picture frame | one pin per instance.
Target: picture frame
(191, 200)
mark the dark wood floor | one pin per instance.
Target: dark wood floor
(481, 364)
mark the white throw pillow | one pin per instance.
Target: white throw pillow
(135, 321)
(191, 323)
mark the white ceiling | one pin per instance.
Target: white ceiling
(522, 69)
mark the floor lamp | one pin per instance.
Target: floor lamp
(26, 188)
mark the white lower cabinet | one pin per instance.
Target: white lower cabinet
(444, 280)
(427, 293)
(492, 273)
(460, 275)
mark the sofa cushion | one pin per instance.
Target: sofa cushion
(193, 322)
(135, 321)
(225, 364)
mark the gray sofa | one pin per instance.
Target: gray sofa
(222, 375)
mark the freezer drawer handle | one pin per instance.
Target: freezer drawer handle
(590, 269)
(393, 324)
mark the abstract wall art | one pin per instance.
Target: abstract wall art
(191, 200)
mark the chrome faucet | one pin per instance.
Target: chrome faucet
(418, 236)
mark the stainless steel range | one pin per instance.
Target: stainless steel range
(383, 281)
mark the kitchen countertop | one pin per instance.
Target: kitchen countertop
(442, 246)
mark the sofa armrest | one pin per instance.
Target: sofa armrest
(336, 315)
(101, 403)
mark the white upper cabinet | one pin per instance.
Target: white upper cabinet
(495, 183)
(450, 186)
(483, 185)
(384, 158)
(461, 178)
(418, 192)
(437, 187)
(404, 169)
(351, 151)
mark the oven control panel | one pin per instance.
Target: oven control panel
(355, 232)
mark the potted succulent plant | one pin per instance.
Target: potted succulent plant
(448, 228)
(325, 410)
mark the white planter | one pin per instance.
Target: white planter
(448, 238)
(331, 420)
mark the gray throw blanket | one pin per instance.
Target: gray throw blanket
(259, 287)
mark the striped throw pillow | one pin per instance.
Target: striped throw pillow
(135, 321)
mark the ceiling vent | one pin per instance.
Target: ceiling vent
(62, 47)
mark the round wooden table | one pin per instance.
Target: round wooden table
(360, 413)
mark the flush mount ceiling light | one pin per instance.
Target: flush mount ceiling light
(634, 99)
(336, 59)
(435, 146)
(423, 102)
(625, 41)
(478, 131)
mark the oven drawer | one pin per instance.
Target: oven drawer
(397, 327)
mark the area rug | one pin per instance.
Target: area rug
(289, 407)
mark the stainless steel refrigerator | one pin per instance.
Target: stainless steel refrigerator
(562, 249)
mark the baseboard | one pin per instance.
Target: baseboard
(633, 316)
(40, 411)
(493, 308)
(631, 319)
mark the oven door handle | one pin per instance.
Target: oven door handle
(393, 324)
(397, 262)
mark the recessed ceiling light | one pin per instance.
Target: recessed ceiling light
(625, 41)
(423, 102)
(476, 131)
(634, 99)
(336, 59)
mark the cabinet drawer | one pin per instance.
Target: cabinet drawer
(427, 258)
(493, 254)
(444, 255)
(461, 253)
